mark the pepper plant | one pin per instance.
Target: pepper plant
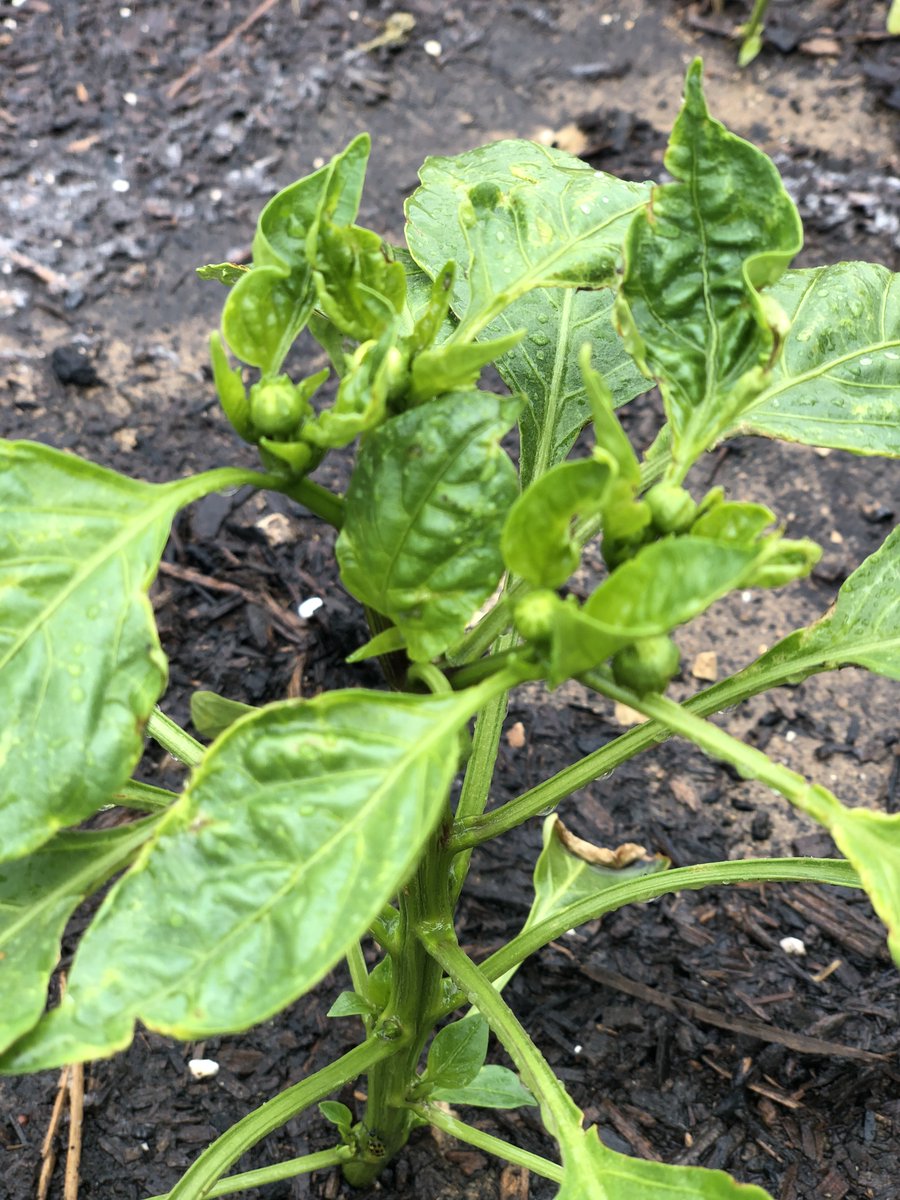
(315, 831)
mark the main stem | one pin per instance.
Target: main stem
(414, 1006)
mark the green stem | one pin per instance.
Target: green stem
(202, 1175)
(561, 1115)
(320, 1161)
(173, 738)
(415, 998)
(751, 763)
(832, 871)
(543, 798)
(486, 1141)
(477, 782)
(317, 499)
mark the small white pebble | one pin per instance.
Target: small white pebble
(17, 3)
(790, 736)
(793, 946)
(120, 185)
(10, 23)
(215, 195)
(125, 13)
(577, 1048)
(318, 162)
(433, 48)
(746, 597)
(145, 1146)
(306, 608)
(130, 98)
(203, 1068)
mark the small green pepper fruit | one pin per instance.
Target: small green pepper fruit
(647, 665)
(277, 407)
(535, 615)
(673, 508)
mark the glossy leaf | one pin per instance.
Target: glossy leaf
(38, 894)
(594, 1172)
(80, 661)
(689, 304)
(360, 289)
(493, 1087)
(538, 541)
(226, 272)
(456, 366)
(517, 216)
(837, 382)
(457, 1053)
(424, 510)
(863, 629)
(300, 823)
(271, 303)
(361, 401)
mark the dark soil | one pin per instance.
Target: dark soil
(103, 353)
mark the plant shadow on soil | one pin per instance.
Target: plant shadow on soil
(201, 142)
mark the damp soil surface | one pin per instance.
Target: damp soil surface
(140, 141)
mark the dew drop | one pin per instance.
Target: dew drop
(307, 810)
(540, 356)
(865, 362)
(76, 695)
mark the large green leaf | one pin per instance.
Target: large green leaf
(38, 894)
(301, 822)
(689, 304)
(517, 216)
(837, 382)
(594, 1172)
(80, 661)
(863, 629)
(424, 510)
(270, 304)
(544, 368)
(521, 221)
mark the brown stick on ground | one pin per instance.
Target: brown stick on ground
(709, 1016)
(48, 1147)
(76, 1113)
(260, 11)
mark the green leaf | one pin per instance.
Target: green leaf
(492, 1087)
(38, 894)
(871, 841)
(271, 303)
(517, 216)
(544, 368)
(594, 1172)
(423, 515)
(361, 401)
(359, 287)
(386, 642)
(555, 223)
(350, 1004)
(863, 630)
(230, 389)
(456, 366)
(226, 272)
(338, 1114)
(80, 662)
(457, 1053)
(263, 872)
(211, 713)
(610, 435)
(837, 382)
(538, 541)
(568, 870)
(689, 304)
(893, 19)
